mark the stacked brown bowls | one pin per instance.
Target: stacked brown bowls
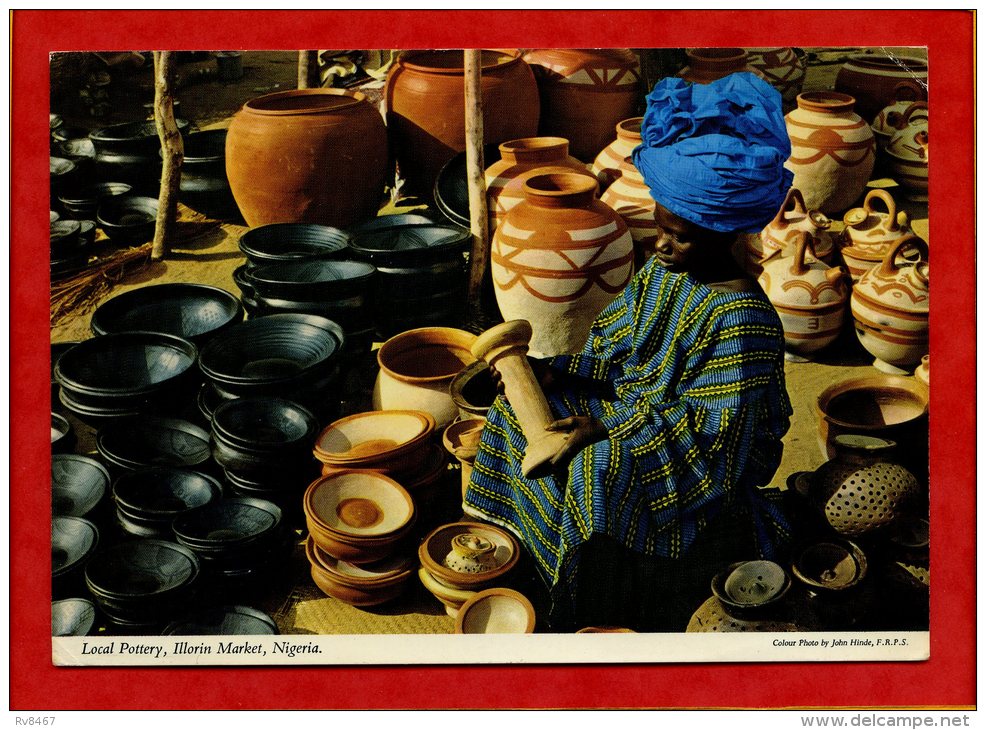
(358, 585)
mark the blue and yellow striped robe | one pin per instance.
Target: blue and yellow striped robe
(689, 382)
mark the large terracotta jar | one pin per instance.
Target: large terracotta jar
(585, 92)
(783, 68)
(890, 306)
(870, 233)
(877, 81)
(606, 167)
(559, 257)
(307, 156)
(706, 65)
(783, 233)
(832, 150)
(630, 197)
(503, 187)
(425, 97)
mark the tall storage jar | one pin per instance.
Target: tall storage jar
(606, 166)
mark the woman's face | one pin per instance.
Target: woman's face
(683, 246)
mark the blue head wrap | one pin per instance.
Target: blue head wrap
(714, 154)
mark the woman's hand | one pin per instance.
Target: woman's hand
(542, 373)
(582, 431)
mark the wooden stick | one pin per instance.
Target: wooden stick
(308, 77)
(475, 177)
(173, 152)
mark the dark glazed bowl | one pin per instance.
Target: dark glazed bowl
(159, 494)
(410, 245)
(224, 621)
(128, 219)
(292, 241)
(73, 541)
(194, 312)
(452, 188)
(78, 484)
(63, 239)
(62, 436)
(83, 202)
(314, 280)
(144, 441)
(204, 186)
(264, 424)
(228, 524)
(141, 570)
(62, 174)
(72, 617)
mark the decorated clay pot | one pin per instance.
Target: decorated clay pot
(907, 152)
(461, 440)
(890, 306)
(783, 68)
(584, 93)
(307, 156)
(606, 167)
(706, 65)
(559, 257)
(876, 81)
(893, 118)
(869, 233)
(832, 150)
(519, 156)
(923, 371)
(425, 97)
(783, 233)
(809, 296)
(630, 197)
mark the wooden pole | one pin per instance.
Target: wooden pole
(308, 77)
(475, 167)
(172, 152)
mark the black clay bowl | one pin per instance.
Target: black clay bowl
(139, 570)
(265, 424)
(57, 350)
(63, 133)
(128, 219)
(292, 241)
(145, 132)
(314, 280)
(87, 233)
(224, 621)
(62, 436)
(83, 202)
(389, 221)
(72, 617)
(62, 173)
(451, 190)
(64, 239)
(281, 348)
(73, 541)
(194, 312)
(124, 366)
(159, 494)
(135, 443)
(413, 245)
(227, 524)
(78, 484)
(99, 416)
(79, 150)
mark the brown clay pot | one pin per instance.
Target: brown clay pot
(869, 234)
(559, 257)
(877, 81)
(783, 233)
(606, 166)
(436, 548)
(425, 96)
(706, 65)
(584, 93)
(783, 69)
(356, 591)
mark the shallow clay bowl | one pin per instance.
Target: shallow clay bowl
(292, 241)
(264, 424)
(224, 621)
(395, 568)
(830, 565)
(135, 443)
(359, 505)
(72, 617)
(194, 312)
(78, 484)
(310, 280)
(751, 585)
(353, 592)
(62, 436)
(390, 441)
(438, 544)
(84, 202)
(228, 523)
(451, 598)
(73, 541)
(140, 570)
(128, 219)
(160, 494)
(496, 611)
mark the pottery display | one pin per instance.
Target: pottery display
(810, 298)
(496, 611)
(890, 307)
(461, 440)
(894, 118)
(784, 232)
(606, 166)
(425, 95)
(876, 81)
(584, 92)
(307, 156)
(783, 68)
(907, 152)
(832, 150)
(204, 187)
(870, 233)
(129, 153)
(416, 369)
(519, 156)
(558, 259)
(706, 65)
(630, 196)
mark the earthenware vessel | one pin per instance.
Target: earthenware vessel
(451, 598)
(72, 617)
(473, 390)
(204, 187)
(78, 484)
(368, 585)
(281, 146)
(923, 371)
(869, 233)
(783, 68)
(421, 88)
(461, 440)
(630, 196)
(835, 576)
(584, 92)
(83, 202)
(606, 166)
(832, 150)
(496, 611)
(890, 306)
(706, 65)
(893, 118)
(129, 153)
(784, 232)
(388, 441)
(907, 151)
(810, 298)
(876, 81)
(434, 550)
(73, 542)
(751, 589)
(280, 242)
(62, 435)
(558, 259)
(128, 220)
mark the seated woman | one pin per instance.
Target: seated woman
(676, 406)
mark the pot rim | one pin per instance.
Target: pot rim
(884, 382)
(509, 593)
(826, 102)
(461, 339)
(513, 58)
(348, 99)
(913, 63)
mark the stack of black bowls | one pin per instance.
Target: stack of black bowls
(291, 356)
(265, 446)
(71, 244)
(422, 273)
(142, 585)
(128, 444)
(280, 242)
(129, 153)
(204, 186)
(149, 500)
(73, 542)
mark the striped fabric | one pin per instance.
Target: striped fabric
(690, 384)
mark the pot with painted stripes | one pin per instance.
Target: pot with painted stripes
(630, 197)
(606, 166)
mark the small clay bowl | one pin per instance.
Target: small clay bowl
(387, 441)
(228, 524)
(437, 546)
(140, 571)
(359, 505)
(293, 241)
(264, 425)
(473, 390)
(160, 494)
(224, 621)
(393, 568)
(72, 617)
(830, 566)
(496, 611)
(147, 441)
(751, 586)
(451, 598)
(128, 219)
(62, 436)
(78, 484)
(84, 202)
(73, 541)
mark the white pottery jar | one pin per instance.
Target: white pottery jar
(630, 197)
(893, 118)
(606, 166)
(869, 234)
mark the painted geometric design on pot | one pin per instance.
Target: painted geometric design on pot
(827, 142)
(814, 292)
(782, 67)
(591, 71)
(606, 166)
(630, 197)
